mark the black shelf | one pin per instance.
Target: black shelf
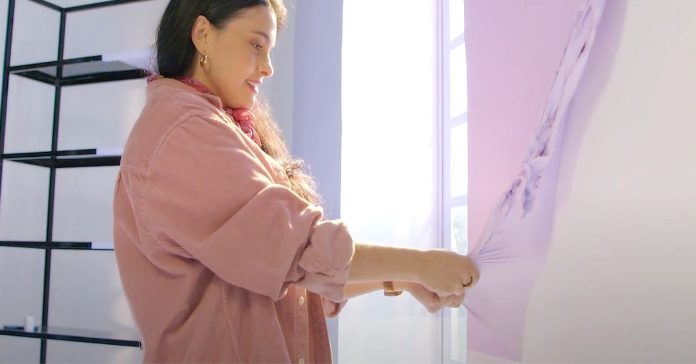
(59, 245)
(76, 335)
(79, 71)
(92, 5)
(66, 158)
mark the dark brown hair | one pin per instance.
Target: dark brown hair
(176, 54)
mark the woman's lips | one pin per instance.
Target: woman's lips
(254, 86)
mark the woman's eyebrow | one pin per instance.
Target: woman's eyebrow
(263, 34)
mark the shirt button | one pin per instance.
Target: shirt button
(301, 361)
(301, 300)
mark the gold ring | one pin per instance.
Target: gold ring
(471, 280)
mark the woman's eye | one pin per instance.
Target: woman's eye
(256, 46)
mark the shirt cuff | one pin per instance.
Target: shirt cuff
(324, 264)
(332, 309)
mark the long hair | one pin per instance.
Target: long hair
(176, 54)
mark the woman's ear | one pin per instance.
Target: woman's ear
(201, 33)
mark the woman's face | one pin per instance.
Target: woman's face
(238, 54)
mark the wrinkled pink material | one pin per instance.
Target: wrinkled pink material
(513, 245)
(220, 261)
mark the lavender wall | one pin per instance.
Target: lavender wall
(316, 132)
(513, 51)
(316, 118)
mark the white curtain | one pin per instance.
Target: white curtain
(389, 161)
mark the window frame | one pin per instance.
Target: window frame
(446, 124)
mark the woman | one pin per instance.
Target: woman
(221, 245)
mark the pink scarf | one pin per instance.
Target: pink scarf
(242, 117)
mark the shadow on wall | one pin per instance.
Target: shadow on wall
(599, 66)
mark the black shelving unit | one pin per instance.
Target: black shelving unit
(75, 335)
(65, 158)
(61, 73)
(58, 245)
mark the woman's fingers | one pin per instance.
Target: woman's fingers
(430, 300)
(457, 301)
(434, 302)
(447, 273)
(454, 301)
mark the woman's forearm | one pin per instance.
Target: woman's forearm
(440, 271)
(353, 289)
(376, 263)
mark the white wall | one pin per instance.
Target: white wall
(85, 287)
(618, 286)
(621, 270)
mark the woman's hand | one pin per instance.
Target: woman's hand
(443, 272)
(432, 301)
(447, 273)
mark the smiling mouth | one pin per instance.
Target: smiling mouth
(254, 87)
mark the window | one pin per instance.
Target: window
(454, 150)
(389, 167)
(403, 164)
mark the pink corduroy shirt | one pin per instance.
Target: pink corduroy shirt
(220, 261)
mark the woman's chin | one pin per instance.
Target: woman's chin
(246, 103)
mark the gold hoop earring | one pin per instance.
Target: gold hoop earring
(204, 60)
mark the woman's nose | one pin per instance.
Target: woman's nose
(266, 68)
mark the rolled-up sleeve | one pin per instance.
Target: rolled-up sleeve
(208, 197)
(323, 266)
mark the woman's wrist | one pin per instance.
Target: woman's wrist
(413, 263)
(384, 263)
(403, 286)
